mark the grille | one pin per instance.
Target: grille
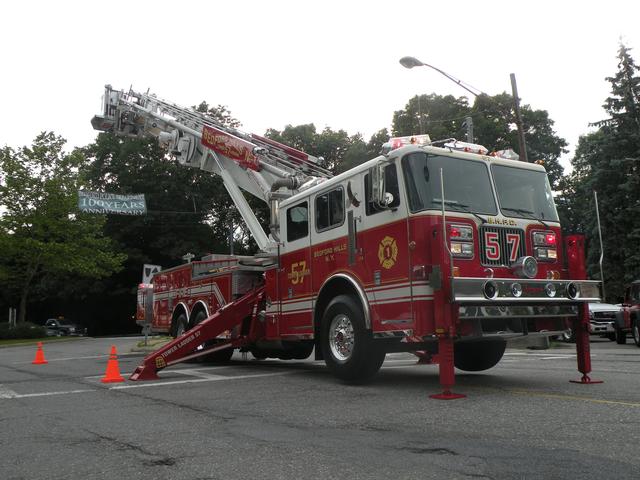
(504, 246)
(604, 315)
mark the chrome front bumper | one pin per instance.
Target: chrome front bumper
(533, 293)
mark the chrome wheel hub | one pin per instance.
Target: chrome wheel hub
(341, 338)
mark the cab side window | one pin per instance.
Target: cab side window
(330, 209)
(391, 186)
(297, 221)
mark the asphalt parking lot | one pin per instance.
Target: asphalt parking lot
(274, 419)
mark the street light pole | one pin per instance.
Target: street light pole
(410, 62)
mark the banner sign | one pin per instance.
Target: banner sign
(233, 147)
(95, 202)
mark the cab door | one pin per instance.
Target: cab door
(294, 274)
(386, 254)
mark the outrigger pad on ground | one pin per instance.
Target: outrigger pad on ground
(586, 380)
(447, 395)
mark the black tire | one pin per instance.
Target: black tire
(477, 356)
(349, 349)
(179, 326)
(301, 351)
(259, 354)
(611, 336)
(222, 356)
(621, 336)
(635, 330)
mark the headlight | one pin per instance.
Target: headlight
(461, 238)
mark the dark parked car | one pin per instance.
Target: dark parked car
(61, 328)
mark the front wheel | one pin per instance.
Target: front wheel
(476, 356)
(349, 349)
(636, 332)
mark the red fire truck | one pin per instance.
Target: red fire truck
(435, 248)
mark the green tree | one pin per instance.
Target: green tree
(440, 117)
(42, 234)
(494, 125)
(339, 150)
(608, 161)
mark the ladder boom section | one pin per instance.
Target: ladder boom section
(185, 347)
(191, 136)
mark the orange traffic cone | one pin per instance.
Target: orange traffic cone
(112, 374)
(39, 360)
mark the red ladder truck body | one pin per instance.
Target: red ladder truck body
(443, 251)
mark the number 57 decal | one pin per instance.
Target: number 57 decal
(298, 272)
(492, 246)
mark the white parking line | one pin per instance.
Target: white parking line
(211, 378)
(531, 354)
(66, 359)
(8, 393)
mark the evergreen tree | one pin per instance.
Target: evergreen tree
(608, 162)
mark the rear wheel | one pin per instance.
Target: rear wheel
(478, 355)
(217, 357)
(636, 332)
(349, 349)
(621, 336)
(180, 325)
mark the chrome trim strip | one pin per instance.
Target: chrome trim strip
(361, 293)
(472, 312)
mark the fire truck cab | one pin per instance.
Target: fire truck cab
(378, 260)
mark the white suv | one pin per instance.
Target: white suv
(601, 321)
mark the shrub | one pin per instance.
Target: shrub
(22, 330)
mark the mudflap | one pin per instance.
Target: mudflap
(184, 347)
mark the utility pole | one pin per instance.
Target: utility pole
(516, 101)
(468, 122)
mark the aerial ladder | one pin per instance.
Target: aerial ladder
(252, 163)
(258, 165)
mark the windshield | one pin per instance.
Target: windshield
(466, 184)
(524, 193)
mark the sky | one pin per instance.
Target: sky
(331, 63)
